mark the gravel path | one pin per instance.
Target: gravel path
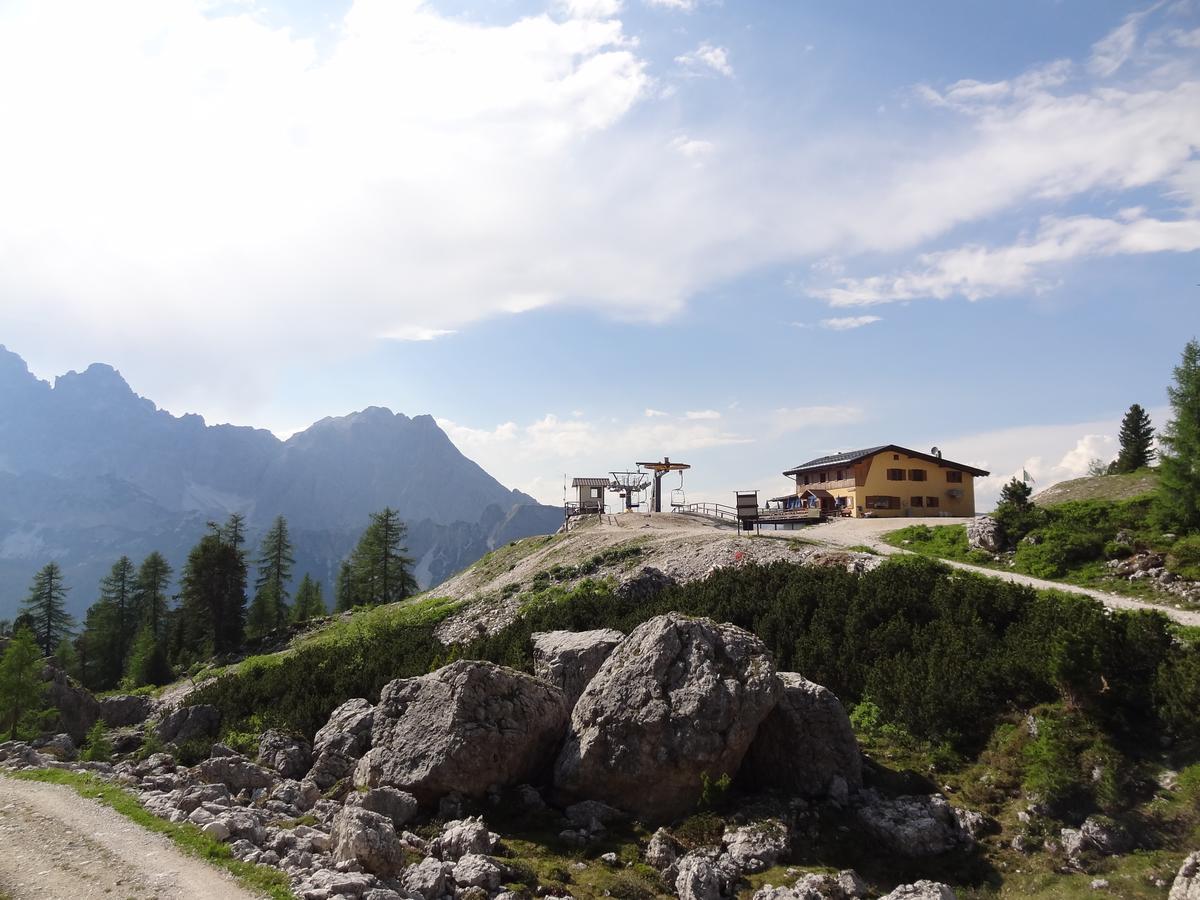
(870, 532)
(55, 845)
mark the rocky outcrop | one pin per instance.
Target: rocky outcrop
(805, 744)
(399, 807)
(922, 890)
(706, 874)
(235, 772)
(570, 659)
(367, 838)
(845, 885)
(1187, 881)
(757, 846)
(986, 534)
(125, 709)
(77, 709)
(913, 826)
(341, 742)
(289, 756)
(189, 723)
(1097, 834)
(678, 701)
(461, 837)
(466, 727)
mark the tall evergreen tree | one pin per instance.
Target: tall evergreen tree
(269, 610)
(309, 602)
(153, 579)
(46, 606)
(100, 665)
(147, 660)
(382, 572)
(345, 590)
(21, 685)
(119, 589)
(233, 532)
(1177, 499)
(213, 596)
(1136, 437)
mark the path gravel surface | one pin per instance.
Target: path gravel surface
(55, 845)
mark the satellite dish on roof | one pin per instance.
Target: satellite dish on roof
(936, 452)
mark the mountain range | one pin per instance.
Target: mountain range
(89, 471)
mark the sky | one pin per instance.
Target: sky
(584, 233)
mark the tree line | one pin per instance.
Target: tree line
(139, 633)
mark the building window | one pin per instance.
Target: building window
(895, 456)
(806, 479)
(895, 474)
(821, 478)
(595, 493)
(883, 503)
(953, 476)
(916, 474)
(917, 501)
(931, 501)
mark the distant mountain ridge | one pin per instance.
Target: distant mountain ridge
(89, 470)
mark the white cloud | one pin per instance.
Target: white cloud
(1114, 49)
(691, 147)
(707, 56)
(702, 414)
(975, 272)
(416, 333)
(846, 323)
(681, 5)
(650, 413)
(793, 418)
(591, 9)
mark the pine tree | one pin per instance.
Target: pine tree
(153, 579)
(1177, 499)
(147, 660)
(1136, 437)
(269, 610)
(21, 685)
(213, 595)
(100, 651)
(309, 602)
(233, 532)
(381, 571)
(46, 606)
(119, 589)
(346, 593)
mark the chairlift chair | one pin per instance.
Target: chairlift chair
(678, 497)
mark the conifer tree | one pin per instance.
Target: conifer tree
(382, 573)
(153, 579)
(1177, 498)
(346, 594)
(269, 609)
(21, 685)
(1136, 437)
(147, 660)
(213, 594)
(46, 607)
(119, 589)
(309, 602)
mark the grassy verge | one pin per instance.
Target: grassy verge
(188, 838)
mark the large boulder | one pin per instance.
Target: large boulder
(77, 709)
(341, 742)
(235, 772)
(367, 838)
(289, 756)
(677, 702)
(1187, 881)
(914, 826)
(398, 806)
(805, 744)
(125, 709)
(922, 890)
(986, 534)
(189, 723)
(706, 874)
(570, 659)
(757, 846)
(464, 728)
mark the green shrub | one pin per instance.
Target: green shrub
(1115, 550)
(1057, 551)
(96, 747)
(1184, 558)
(1071, 766)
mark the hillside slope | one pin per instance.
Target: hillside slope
(1099, 487)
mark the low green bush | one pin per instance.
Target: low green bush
(1184, 558)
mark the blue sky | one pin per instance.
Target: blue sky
(585, 232)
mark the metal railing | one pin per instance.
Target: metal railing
(709, 510)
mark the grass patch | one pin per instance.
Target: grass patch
(1130, 486)
(188, 838)
(863, 548)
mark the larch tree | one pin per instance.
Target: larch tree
(309, 604)
(21, 685)
(1137, 441)
(345, 590)
(213, 596)
(153, 581)
(382, 571)
(1177, 498)
(46, 606)
(269, 609)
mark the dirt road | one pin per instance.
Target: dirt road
(870, 532)
(55, 845)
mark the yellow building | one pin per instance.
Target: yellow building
(884, 481)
